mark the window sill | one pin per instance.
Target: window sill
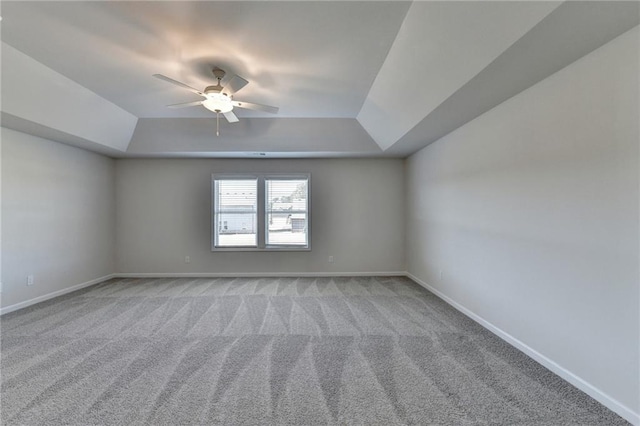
(257, 249)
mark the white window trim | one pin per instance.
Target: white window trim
(261, 211)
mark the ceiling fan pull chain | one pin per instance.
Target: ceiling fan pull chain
(217, 124)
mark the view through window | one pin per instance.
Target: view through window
(261, 212)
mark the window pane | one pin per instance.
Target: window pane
(283, 195)
(287, 221)
(237, 229)
(287, 229)
(236, 213)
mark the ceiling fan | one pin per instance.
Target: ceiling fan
(219, 99)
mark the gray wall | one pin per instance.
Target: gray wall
(58, 216)
(530, 213)
(164, 214)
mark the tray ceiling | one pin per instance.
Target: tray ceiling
(350, 78)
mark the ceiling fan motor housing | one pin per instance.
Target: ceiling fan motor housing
(213, 89)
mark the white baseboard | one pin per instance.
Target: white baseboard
(39, 299)
(254, 274)
(600, 396)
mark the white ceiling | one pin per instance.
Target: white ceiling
(354, 78)
(312, 59)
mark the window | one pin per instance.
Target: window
(261, 212)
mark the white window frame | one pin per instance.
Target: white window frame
(262, 211)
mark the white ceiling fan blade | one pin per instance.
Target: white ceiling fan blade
(185, 104)
(177, 83)
(257, 107)
(230, 116)
(236, 83)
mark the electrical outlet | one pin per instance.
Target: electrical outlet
(29, 279)
(187, 259)
(330, 259)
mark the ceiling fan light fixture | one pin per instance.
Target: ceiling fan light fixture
(218, 102)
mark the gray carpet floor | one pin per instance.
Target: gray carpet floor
(280, 351)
